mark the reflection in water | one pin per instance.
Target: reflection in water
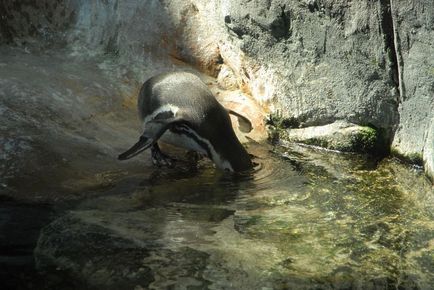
(305, 219)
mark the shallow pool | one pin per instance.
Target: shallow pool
(306, 219)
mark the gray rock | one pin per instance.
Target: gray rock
(364, 62)
(226, 78)
(331, 64)
(57, 114)
(413, 138)
(68, 87)
(341, 136)
(428, 152)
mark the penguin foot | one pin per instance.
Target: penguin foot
(194, 156)
(159, 158)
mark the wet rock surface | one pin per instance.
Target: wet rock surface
(20, 228)
(57, 116)
(362, 62)
(307, 220)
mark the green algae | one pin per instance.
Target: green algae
(365, 140)
(277, 126)
(412, 158)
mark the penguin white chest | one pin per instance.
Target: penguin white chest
(181, 140)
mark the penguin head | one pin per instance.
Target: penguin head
(225, 149)
(233, 157)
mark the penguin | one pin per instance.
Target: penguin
(179, 109)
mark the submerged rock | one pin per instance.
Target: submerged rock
(309, 219)
(91, 256)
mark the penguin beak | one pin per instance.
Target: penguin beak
(143, 144)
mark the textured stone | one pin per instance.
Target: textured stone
(330, 64)
(80, 252)
(428, 152)
(57, 114)
(341, 136)
(68, 87)
(226, 78)
(309, 220)
(415, 30)
(364, 62)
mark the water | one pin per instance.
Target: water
(306, 219)
(73, 217)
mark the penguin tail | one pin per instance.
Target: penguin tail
(244, 124)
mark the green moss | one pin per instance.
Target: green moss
(274, 135)
(277, 126)
(317, 142)
(277, 120)
(371, 140)
(413, 158)
(365, 140)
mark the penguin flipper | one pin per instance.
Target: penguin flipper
(143, 144)
(244, 124)
(152, 132)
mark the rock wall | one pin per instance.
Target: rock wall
(415, 48)
(326, 60)
(313, 61)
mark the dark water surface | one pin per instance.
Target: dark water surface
(306, 219)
